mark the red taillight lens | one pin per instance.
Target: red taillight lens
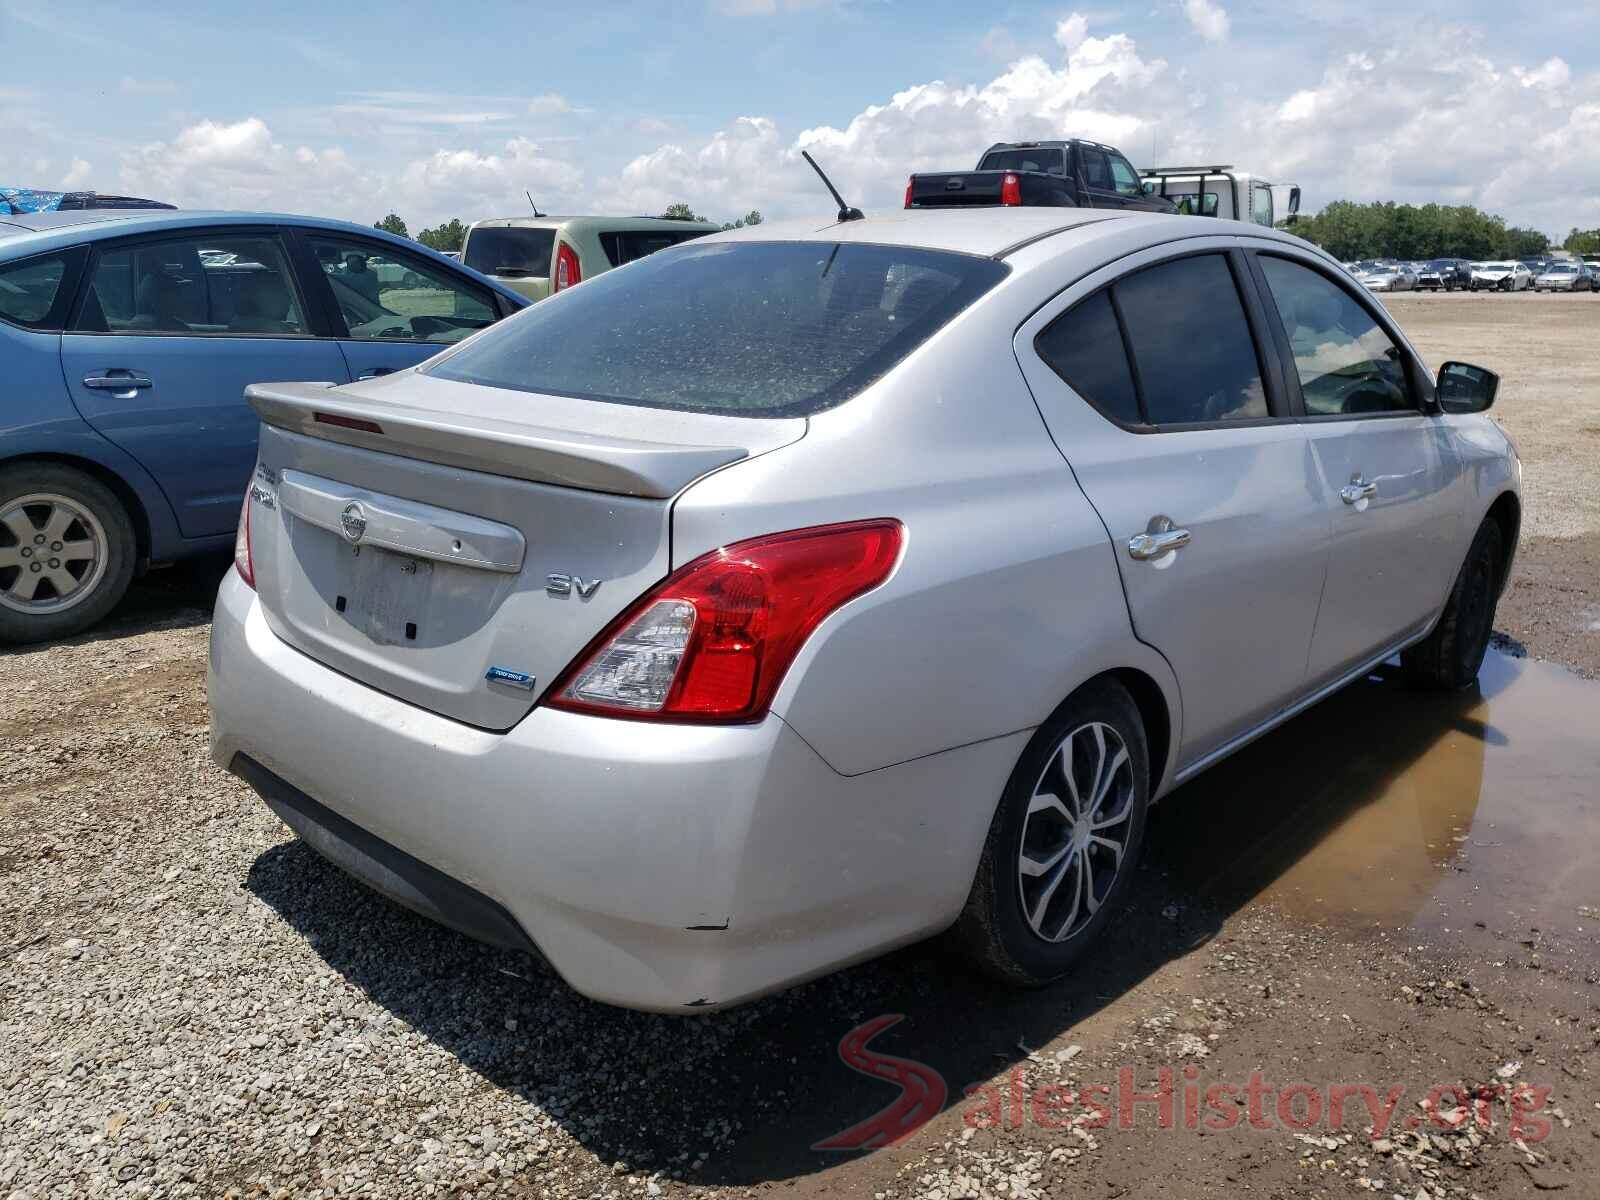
(242, 560)
(567, 272)
(908, 192)
(712, 641)
(1010, 190)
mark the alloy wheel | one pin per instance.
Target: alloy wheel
(53, 553)
(1076, 831)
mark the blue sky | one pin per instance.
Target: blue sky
(352, 110)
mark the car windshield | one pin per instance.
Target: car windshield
(1561, 269)
(509, 251)
(756, 329)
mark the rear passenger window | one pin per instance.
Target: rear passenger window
(28, 289)
(233, 284)
(1084, 347)
(1193, 354)
(1180, 354)
(623, 246)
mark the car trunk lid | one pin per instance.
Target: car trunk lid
(457, 546)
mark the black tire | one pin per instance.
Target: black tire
(1448, 658)
(108, 573)
(993, 931)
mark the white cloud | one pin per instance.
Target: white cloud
(1440, 117)
(1208, 18)
(1071, 30)
(78, 175)
(479, 185)
(215, 164)
(549, 104)
(1552, 73)
(1101, 91)
(405, 115)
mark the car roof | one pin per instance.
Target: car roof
(991, 232)
(1050, 144)
(26, 234)
(595, 224)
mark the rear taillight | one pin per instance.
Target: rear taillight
(712, 642)
(567, 272)
(1010, 190)
(243, 562)
(909, 182)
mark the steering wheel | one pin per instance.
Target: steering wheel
(1347, 395)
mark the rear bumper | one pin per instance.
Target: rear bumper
(667, 867)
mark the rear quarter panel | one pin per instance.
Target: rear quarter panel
(1007, 595)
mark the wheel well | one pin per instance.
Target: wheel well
(119, 488)
(1506, 512)
(1152, 706)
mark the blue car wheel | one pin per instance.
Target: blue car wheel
(67, 551)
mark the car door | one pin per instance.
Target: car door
(1393, 484)
(1159, 387)
(390, 309)
(1094, 170)
(167, 332)
(1129, 188)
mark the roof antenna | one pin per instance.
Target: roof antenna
(846, 213)
(531, 204)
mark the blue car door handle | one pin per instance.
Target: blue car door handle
(123, 385)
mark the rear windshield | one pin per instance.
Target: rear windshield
(510, 252)
(756, 329)
(1052, 162)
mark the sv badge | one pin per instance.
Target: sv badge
(560, 584)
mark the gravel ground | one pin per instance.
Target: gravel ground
(193, 1004)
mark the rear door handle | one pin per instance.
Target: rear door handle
(123, 385)
(1357, 490)
(1159, 537)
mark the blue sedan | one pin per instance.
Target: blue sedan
(126, 341)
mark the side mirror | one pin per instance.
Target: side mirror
(1148, 188)
(1294, 201)
(1464, 388)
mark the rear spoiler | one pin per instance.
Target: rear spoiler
(475, 442)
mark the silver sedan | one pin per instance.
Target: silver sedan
(798, 593)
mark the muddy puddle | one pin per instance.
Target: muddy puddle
(1460, 817)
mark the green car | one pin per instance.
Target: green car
(539, 255)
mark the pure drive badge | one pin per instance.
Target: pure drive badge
(514, 679)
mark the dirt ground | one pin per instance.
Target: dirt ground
(1544, 347)
(1389, 907)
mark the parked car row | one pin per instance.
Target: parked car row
(1449, 274)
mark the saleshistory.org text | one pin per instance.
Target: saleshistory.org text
(1177, 1098)
(1183, 1098)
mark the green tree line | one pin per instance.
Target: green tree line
(450, 234)
(1583, 241)
(1351, 231)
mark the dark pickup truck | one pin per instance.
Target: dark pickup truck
(1071, 173)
